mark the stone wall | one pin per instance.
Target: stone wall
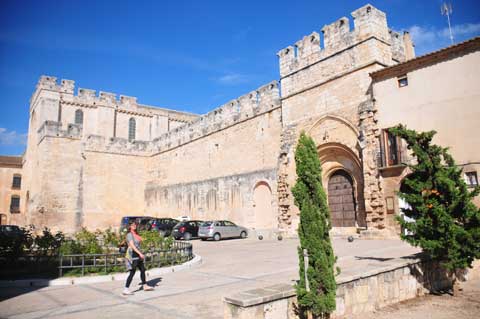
(331, 80)
(354, 296)
(104, 114)
(103, 181)
(90, 174)
(210, 168)
(56, 191)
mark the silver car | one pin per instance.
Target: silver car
(218, 229)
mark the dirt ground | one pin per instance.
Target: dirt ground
(465, 306)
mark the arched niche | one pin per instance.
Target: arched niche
(265, 217)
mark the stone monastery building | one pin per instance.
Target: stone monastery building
(92, 159)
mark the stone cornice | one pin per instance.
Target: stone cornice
(132, 112)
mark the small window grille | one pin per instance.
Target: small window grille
(402, 81)
(131, 129)
(79, 117)
(471, 179)
(15, 204)
(17, 182)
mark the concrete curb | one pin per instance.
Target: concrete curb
(65, 281)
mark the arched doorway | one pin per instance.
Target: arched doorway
(262, 202)
(341, 199)
(337, 158)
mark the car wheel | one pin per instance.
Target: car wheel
(187, 236)
(243, 235)
(216, 237)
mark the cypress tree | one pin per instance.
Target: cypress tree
(446, 222)
(313, 232)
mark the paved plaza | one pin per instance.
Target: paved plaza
(228, 266)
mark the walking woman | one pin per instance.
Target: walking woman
(134, 258)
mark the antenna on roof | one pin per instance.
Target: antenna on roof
(446, 10)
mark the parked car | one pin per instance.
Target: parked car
(186, 229)
(10, 231)
(218, 229)
(163, 225)
(142, 222)
(183, 218)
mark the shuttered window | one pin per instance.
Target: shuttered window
(17, 181)
(15, 204)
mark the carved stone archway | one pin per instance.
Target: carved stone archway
(335, 157)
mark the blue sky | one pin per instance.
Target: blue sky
(185, 55)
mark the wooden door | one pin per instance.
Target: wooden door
(341, 200)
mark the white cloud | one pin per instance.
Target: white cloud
(233, 79)
(427, 39)
(12, 137)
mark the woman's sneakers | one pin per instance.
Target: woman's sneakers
(126, 292)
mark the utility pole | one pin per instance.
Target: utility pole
(446, 10)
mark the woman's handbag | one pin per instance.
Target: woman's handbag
(122, 248)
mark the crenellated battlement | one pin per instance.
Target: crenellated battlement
(55, 129)
(262, 100)
(115, 145)
(65, 91)
(84, 96)
(369, 23)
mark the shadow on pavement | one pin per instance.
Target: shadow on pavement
(373, 258)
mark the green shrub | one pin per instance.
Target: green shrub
(446, 221)
(47, 243)
(153, 239)
(89, 241)
(111, 238)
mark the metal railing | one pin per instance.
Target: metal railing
(178, 252)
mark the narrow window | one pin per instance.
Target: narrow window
(17, 181)
(79, 117)
(15, 204)
(471, 179)
(391, 149)
(131, 129)
(402, 81)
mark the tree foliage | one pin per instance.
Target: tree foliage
(446, 222)
(313, 231)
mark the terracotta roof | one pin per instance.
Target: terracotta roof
(10, 161)
(427, 59)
